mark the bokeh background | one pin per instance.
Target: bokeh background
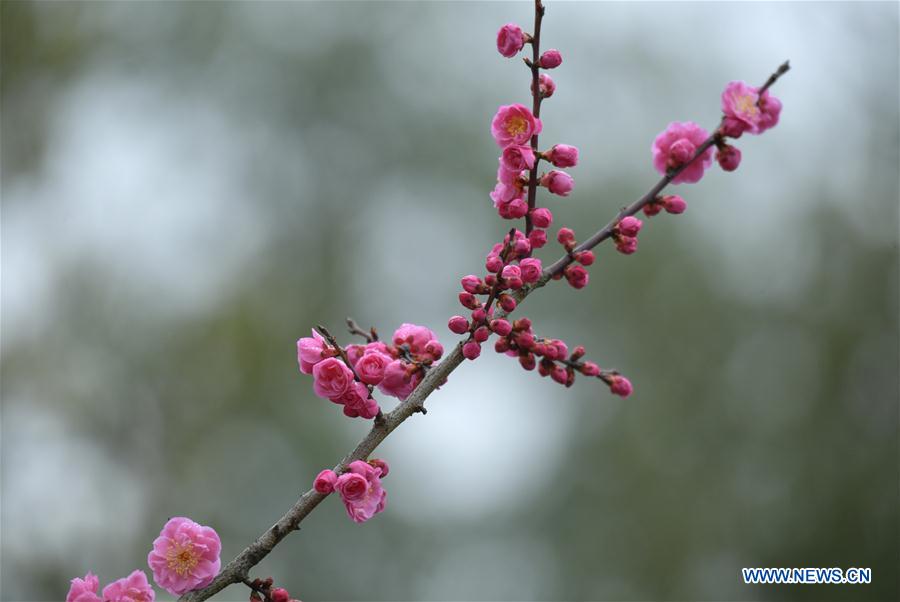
(188, 188)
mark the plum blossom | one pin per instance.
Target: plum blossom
(84, 590)
(514, 124)
(676, 145)
(185, 556)
(361, 491)
(133, 588)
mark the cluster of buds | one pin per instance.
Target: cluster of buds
(360, 487)
(348, 375)
(551, 357)
(264, 590)
(576, 272)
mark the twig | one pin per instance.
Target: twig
(371, 336)
(236, 570)
(537, 97)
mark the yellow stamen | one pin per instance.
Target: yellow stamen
(516, 125)
(182, 558)
(746, 103)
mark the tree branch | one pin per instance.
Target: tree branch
(237, 571)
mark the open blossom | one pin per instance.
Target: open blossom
(357, 402)
(361, 491)
(771, 110)
(310, 351)
(510, 40)
(332, 378)
(739, 103)
(371, 365)
(84, 590)
(558, 182)
(185, 556)
(133, 588)
(415, 337)
(514, 124)
(676, 146)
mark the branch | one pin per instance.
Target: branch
(535, 108)
(237, 570)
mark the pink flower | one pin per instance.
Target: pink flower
(558, 182)
(546, 86)
(471, 350)
(514, 124)
(357, 402)
(551, 59)
(630, 225)
(531, 269)
(501, 327)
(537, 238)
(541, 218)
(332, 378)
(626, 245)
(566, 237)
(310, 351)
(361, 491)
(414, 337)
(739, 103)
(472, 284)
(563, 155)
(590, 369)
(398, 381)
(517, 157)
(619, 385)
(185, 556)
(577, 276)
(133, 588)
(585, 258)
(325, 481)
(510, 40)
(675, 146)
(84, 590)
(515, 209)
(728, 157)
(674, 204)
(370, 367)
(771, 110)
(380, 465)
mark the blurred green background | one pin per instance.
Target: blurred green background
(188, 188)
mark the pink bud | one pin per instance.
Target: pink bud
(585, 258)
(674, 204)
(458, 325)
(471, 283)
(542, 217)
(522, 247)
(652, 208)
(681, 152)
(478, 315)
(559, 375)
(563, 155)
(728, 157)
(510, 40)
(468, 300)
(626, 245)
(493, 263)
(481, 334)
(551, 59)
(565, 236)
(325, 481)
(501, 327)
(516, 209)
(471, 350)
(546, 85)
(558, 182)
(525, 340)
(527, 361)
(562, 350)
(630, 226)
(522, 324)
(501, 346)
(619, 385)
(507, 303)
(732, 127)
(531, 269)
(511, 272)
(537, 238)
(279, 594)
(380, 465)
(590, 369)
(577, 276)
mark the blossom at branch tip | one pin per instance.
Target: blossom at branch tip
(510, 40)
(133, 588)
(677, 145)
(361, 490)
(514, 124)
(185, 556)
(740, 105)
(619, 385)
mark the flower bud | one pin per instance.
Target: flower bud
(471, 284)
(481, 334)
(590, 369)
(502, 345)
(458, 325)
(531, 269)
(630, 226)
(468, 300)
(527, 361)
(537, 238)
(626, 244)
(493, 264)
(471, 350)
(325, 481)
(577, 276)
(510, 40)
(728, 157)
(566, 237)
(546, 86)
(674, 204)
(559, 375)
(563, 155)
(585, 258)
(619, 385)
(507, 303)
(551, 59)
(541, 218)
(558, 182)
(501, 327)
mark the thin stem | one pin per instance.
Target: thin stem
(535, 108)
(354, 328)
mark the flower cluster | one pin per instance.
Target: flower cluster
(184, 557)
(264, 590)
(678, 148)
(347, 376)
(133, 588)
(359, 487)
